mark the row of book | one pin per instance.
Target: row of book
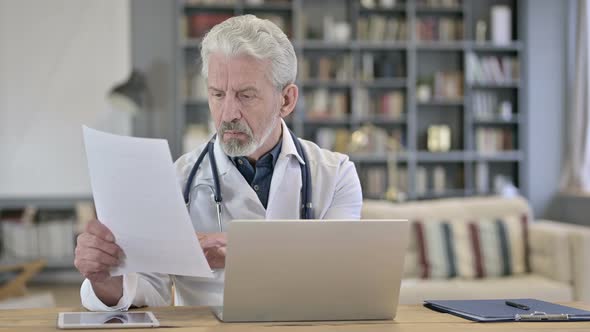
(380, 4)
(368, 139)
(378, 28)
(439, 29)
(442, 86)
(195, 85)
(492, 69)
(439, 3)
(326, 68)
(31, 233)
(377, 181)
(198, 24)
(485, 177)
(387, 105)
(325, 104)
(431, 180)
(234, 2)
(381, 65)
(491, 140)
(485, 106)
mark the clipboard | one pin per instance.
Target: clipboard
(498, 311)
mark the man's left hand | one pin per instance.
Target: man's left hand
(214, 246)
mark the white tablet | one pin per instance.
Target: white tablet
(106, 320)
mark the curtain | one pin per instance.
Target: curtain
(576, 175)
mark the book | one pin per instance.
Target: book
(492, 69)
(199, 24)
(430, 28)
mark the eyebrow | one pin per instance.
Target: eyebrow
(248, 88)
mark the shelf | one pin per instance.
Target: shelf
(51, 263)
(383, 83)
(381, 120)
(491, 47)
(331, 84)
(424, 10)
(386, 45)
(378, 158)
(321, 45)
(495, 85)
(412, 59)
(327, 122)
(440, 45)
(509, 156)
(497, 121)
(44, 202)
(200, 103)
(451, 156)
(442, 103)
(382, 11)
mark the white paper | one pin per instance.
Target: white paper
(138, 197)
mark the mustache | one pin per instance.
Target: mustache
(235, 126)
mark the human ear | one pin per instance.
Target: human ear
(289, 97)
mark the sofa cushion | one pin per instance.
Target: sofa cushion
(487, 247)
(472, 208)
(415, 291)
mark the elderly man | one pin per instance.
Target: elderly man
(250, 66)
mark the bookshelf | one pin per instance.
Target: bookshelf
(397, 69)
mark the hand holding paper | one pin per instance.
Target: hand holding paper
(137, 196)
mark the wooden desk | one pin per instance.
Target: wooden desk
(181, 319)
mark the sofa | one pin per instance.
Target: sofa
(555, 257)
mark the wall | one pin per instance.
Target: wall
(153, 52)
(546, 32)
(58, 60)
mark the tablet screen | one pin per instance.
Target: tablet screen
(102, 318)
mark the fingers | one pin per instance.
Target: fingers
(87, 240)
(89, 268)
(209, 240)
(96, 255)
(96, 252)
(99, 230)
(216, 257)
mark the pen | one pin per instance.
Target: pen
(517, 305)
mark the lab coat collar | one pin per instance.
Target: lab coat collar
(288, 145)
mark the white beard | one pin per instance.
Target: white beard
(235, 148)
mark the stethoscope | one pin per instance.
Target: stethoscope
(306, 206)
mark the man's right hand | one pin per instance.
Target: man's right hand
(96, 253)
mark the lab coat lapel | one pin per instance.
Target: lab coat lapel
(242, 201)
(285, 188)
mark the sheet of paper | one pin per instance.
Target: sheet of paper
(138, 197)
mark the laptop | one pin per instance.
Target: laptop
(313, 270)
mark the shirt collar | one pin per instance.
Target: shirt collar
(273, 153)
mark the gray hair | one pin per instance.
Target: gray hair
(261, 39)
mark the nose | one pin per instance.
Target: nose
(231, 109)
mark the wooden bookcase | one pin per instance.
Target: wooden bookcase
(483, 142)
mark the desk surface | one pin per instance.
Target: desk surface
(180, 319)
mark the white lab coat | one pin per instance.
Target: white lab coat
(336, 194)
